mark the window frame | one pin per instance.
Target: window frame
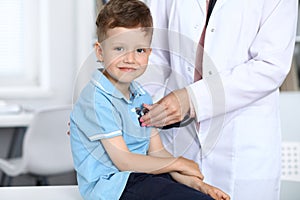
(35, 32)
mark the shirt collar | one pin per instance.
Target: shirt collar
(101, 82)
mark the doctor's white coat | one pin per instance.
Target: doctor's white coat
(248, 51)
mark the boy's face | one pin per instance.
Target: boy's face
(125, 54)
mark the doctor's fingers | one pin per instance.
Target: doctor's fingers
(177, 102)
(160, 115)
(156, 115)
(160, 120)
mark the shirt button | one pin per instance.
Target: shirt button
(212, 30)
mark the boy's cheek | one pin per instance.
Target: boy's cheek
(109, 60)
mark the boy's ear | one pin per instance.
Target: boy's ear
(99, 52)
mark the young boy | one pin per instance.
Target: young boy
(115, 157)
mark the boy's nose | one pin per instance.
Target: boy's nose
(129, 57)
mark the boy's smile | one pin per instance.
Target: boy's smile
(127, 69)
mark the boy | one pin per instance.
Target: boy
(116, 158)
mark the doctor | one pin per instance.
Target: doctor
(248, 48)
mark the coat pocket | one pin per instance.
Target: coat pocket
(258, 147)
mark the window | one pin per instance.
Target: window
(23, 46)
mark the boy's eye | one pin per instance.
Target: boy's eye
(141, 50)
(119, 48)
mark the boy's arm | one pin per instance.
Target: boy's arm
(157, 149)
(128, 161)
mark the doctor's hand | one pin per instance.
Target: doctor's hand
(170, 109)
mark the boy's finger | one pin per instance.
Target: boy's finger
(212, 194)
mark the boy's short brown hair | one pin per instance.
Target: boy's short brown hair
(123, 13)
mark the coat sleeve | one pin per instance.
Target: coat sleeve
(271, 54)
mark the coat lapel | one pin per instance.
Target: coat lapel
(218, 5)
(202, 5)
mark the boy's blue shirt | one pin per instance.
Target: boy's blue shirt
(103, 112)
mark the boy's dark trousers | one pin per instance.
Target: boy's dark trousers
(141, 186)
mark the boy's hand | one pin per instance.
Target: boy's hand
(214, 192)
(189, 167)
(191, 181)
(197, 184)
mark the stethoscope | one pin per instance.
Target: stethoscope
(186, 120)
